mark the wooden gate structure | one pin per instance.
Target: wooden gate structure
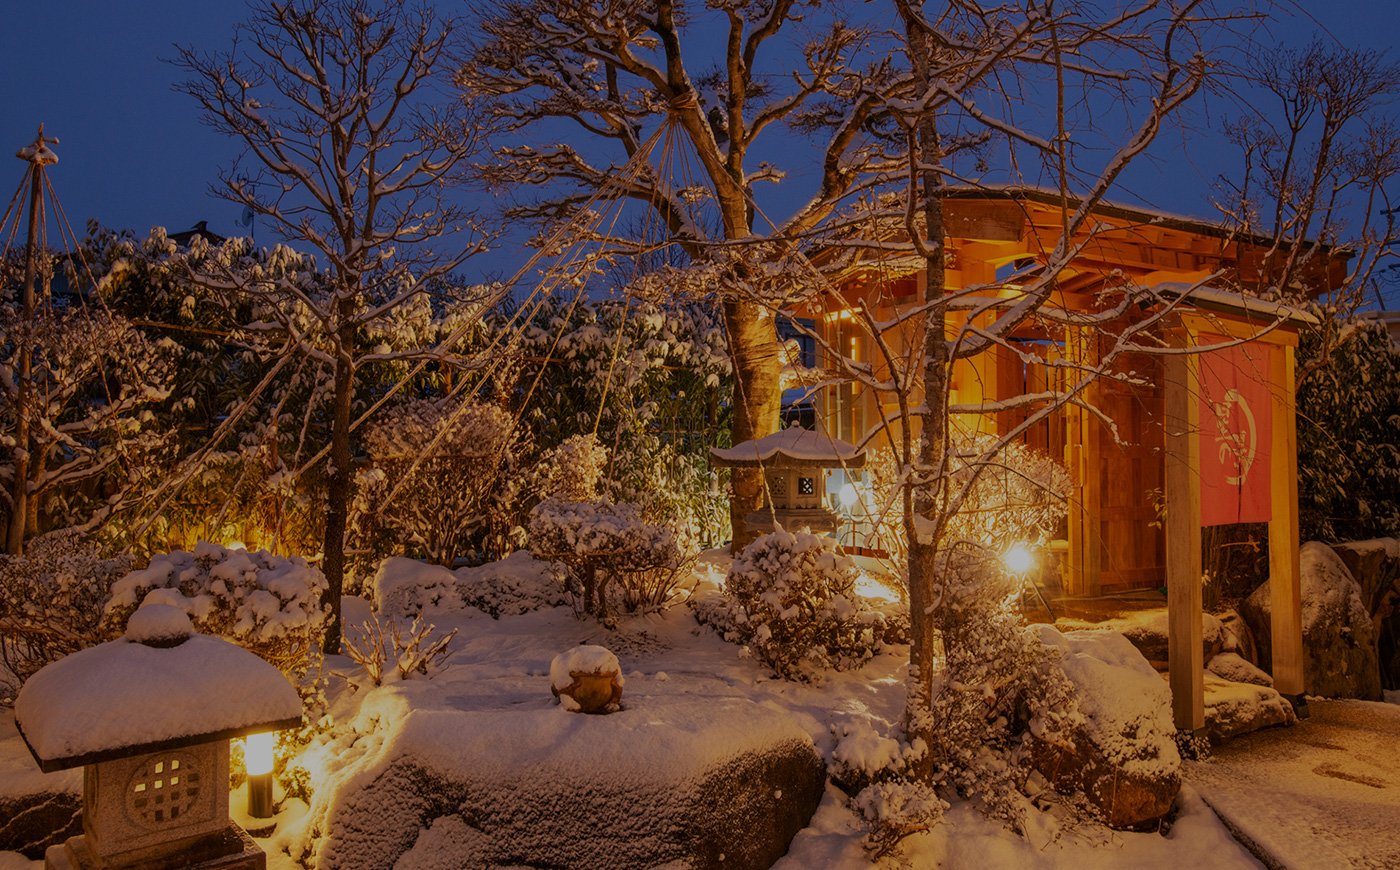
(1136, 453)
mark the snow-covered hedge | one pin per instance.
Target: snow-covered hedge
(51, 600)
(599, 541)
(516, 584)
(792, 600)
(267, 604)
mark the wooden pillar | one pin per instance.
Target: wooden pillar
(1287, 616)
(1183, 492)
(1084, 459)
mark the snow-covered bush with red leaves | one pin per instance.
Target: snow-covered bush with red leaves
(270, 605)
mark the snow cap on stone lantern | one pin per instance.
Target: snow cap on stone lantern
(150, 715)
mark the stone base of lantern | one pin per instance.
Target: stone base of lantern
(231, 849)
(793, 519)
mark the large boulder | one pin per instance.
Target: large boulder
(1238, 639)
(1339, 644)
(1147, 630)
(1123, 756)
(37, 810)
(1234, 708)
(699, 783)
(1375, 565)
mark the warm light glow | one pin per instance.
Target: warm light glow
(257, 752)
(236, 545)
(848, 495)
(1019, 559)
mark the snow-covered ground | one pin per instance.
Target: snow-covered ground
(500, 664)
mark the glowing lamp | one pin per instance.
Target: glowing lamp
(257, 755)
(848, 495)
(1019, 559)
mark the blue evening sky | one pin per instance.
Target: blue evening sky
(134, 154)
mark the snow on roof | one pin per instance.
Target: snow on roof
(1231, 302)
(792, 447)
(122, 698)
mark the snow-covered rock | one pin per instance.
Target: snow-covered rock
(587, 679)
(1375, 565)
(1234, 708)
(1339, 645)
(1147, 630)
(1124, 755)
(37, 810)
(1232, 667)
(717, 783)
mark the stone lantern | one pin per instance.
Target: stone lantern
(793, 462)
(149, 717)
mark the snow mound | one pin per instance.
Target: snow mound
(157, 624)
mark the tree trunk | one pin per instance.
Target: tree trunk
(923, 527)
(338, 497)
(753, 347)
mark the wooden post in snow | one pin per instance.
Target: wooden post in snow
(1183, 492)
(1284, 581)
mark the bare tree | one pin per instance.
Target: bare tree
(613, 68)
(1317, 153)
(1036, 80)
(339, 106)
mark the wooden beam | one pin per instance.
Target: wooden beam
(1284, 580)
(1183, 491)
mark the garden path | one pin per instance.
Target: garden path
(1323, 794)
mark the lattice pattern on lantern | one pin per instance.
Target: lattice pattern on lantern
(162, 790)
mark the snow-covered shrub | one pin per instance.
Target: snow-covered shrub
(405, 588)
(573, 470)
(999, 687)
(435, 463)
(270, 605)
(894, 809)
(599, 541)
(793, 602)
(877, 771)
(514, 585)
(51, 600)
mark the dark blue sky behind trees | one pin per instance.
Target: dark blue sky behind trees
(134, 154)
